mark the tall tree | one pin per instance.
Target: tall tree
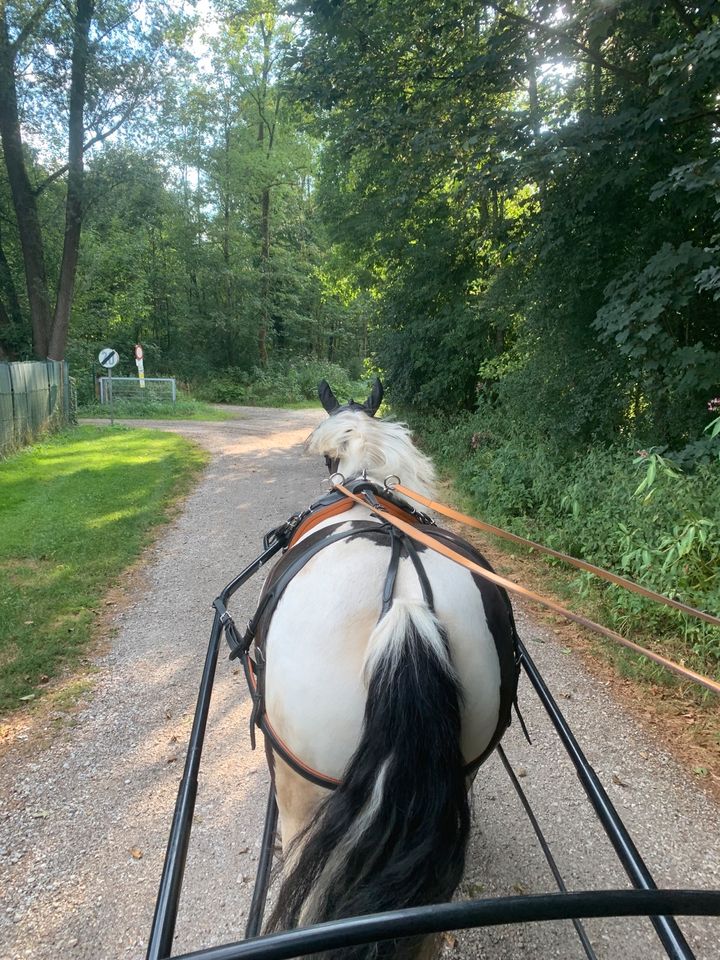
(70, 76)
(533, 190)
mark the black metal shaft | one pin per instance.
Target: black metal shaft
(415, 921)
(168, 898)
(545, 847)
(668, 931)
(262, 880)
(250, 570)
(166, 906)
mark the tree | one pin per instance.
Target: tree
(90, 65)
(532, 193)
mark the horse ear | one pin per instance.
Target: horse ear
(372, 404)
(327, 397)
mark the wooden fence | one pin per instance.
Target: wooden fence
(34, 396)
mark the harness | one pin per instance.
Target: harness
(250, 649)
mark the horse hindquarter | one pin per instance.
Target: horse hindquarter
(394, 832)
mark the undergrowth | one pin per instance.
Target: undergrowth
(630, 511)
(137, 409)
(281, 383)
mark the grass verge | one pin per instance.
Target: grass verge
(157, 410)
(75, 511)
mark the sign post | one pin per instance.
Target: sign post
(108, 358)
(139, 363)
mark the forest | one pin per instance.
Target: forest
(508, 210)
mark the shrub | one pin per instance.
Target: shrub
(280, 382)
(633, 512)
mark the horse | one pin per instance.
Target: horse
(387, 674)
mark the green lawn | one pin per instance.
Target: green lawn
(75, 511)
(183, 409)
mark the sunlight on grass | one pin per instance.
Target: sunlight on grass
(112, 517)
(75, 511)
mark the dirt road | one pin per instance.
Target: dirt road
(84, 821)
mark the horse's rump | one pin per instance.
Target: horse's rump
(318, 611)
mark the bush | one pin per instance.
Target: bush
(632, 512)
(280, 382)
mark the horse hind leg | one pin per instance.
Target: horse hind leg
(297, 799)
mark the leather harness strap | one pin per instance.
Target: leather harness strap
(294, 560)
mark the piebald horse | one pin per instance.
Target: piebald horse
(388, 675)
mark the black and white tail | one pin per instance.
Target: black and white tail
(394, 833)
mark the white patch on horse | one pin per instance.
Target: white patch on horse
(387, 642)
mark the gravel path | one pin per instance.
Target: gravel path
(84, 822)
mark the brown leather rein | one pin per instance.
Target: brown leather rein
(417, 534)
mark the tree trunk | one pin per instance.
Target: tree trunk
(266, 32)
(265, 273)
(76, 179)
(24, 203)
(226, 198)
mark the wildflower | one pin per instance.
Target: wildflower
(714, 405)
(641, 453)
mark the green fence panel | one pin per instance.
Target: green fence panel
(7, 420)
(56, 389)
(33, 395)
(21, 407)
(38, 396)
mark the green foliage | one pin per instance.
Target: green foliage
(75, 511)
(154, 409)
(280, 383)
(637, 514)
(533, 202)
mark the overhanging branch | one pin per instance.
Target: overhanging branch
(631, 75)
(34, 19)
(98, 138)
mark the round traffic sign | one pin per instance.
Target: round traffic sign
(138, 352)
(108, 357)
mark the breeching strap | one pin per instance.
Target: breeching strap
(417, 534)
(580, 564)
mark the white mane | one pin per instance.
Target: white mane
(380, 447)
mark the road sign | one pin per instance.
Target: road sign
(108, 357)
(138, 352)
